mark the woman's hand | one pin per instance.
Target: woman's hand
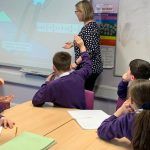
(68, 45)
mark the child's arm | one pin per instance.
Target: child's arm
(86, 70)
(118, 125)
(123, 86)
(44, 94)
(125, 108)
(77, 62)
(122, 89)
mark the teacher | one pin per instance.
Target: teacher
(90, 33)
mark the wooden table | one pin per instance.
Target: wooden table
(58, 124)
(34, 119)
(72, 137)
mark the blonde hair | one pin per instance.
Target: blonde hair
(86, 8)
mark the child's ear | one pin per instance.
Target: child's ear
(70, 66)
(54, 68)
(132, 77)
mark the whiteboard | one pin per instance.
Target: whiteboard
(32, 31)
(133, 33)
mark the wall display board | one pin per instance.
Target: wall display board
(133, 33)
(105, 14)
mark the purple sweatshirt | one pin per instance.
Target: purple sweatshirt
(66, 91)
(117, 127)
(122, 93)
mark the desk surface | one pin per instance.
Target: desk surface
(35, 119)
(57, 123)
(71, 137)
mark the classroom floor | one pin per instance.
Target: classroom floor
(107, 106)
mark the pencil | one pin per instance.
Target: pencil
(16, 131)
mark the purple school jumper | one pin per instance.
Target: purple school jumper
(66, 91)
(122, 93)
(117, 127)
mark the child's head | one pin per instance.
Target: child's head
(139, 91)
(140, 69)
(62, 61)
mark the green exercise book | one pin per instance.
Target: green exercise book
(28, 141)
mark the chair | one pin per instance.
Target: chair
(89, 98)
(4, 106)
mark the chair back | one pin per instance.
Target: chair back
(4, 106)
(89, 98)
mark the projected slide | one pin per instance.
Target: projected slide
(32, 31)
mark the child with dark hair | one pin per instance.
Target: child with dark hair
(67, 89)
(138, 69)
(132, 119)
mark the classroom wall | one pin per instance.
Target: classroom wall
(22, 93)
(105, 87)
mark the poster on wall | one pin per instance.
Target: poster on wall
(108, 56)
(105, 14)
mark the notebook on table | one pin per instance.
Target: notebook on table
(89, 119)
(28, 141)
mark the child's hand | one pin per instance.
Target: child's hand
(6, 99)
(79, 42)
(125, 108)
(68, 45)
(6, 123)
(73, 66)
(126, 77)
(1, 81)
(51, 77)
